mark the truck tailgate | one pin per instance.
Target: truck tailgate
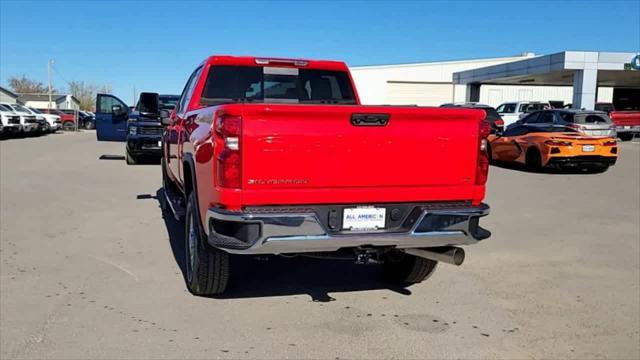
(306, 154)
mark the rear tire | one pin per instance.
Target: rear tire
(130, 159)
(533, 160)
(625, 137)
(89, 125)
(598, 169)
(207, 268)
(400, 267)
(68, 126)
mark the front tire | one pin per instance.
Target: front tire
(207, 268)
(130, 159)
(89, 125)
(68, 126)
(400, 267)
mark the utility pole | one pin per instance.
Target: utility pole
(134, 96)
(49, 63)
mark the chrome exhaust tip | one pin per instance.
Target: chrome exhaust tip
(448, 254)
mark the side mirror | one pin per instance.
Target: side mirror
(116, 110)
(149, 104)
(165, 117)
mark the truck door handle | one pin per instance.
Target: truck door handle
(369, 119)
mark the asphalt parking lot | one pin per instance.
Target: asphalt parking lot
(90, 269)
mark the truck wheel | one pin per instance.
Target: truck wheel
(207, 267)
(533, 161)
(625, 137)
(68, 126)
(130, 159)
(89, 125)
(401, 267)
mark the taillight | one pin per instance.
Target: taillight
(482, 166)
(485, 129)
(610, 143)
(499, 123)
(558, 143)
(229, 164)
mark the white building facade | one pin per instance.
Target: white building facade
(7, 96)
(431, 84)
(41, 101)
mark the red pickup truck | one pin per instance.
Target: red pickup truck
(277, 156)
(627, 122)
(68, 120)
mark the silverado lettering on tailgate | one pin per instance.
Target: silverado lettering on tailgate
(278, 181)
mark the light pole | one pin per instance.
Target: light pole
(49, 63)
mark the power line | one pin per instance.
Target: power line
(60, 75)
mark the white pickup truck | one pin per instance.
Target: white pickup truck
(514, 111)
(10, 120)
(53, 120)
(27, 119)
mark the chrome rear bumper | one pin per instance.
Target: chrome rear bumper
(282, 233)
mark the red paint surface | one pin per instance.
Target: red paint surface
(625, 118)
(312, 154)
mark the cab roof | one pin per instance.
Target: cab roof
(276, 62)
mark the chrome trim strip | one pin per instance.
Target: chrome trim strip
(303, 232)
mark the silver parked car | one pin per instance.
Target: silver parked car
(587, 122)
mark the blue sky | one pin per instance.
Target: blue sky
(154, 45)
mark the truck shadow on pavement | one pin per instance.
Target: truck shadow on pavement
(253, 277)
(111, 157)
(140, 161)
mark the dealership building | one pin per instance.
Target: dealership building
(581, 78)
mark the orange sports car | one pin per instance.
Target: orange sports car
(546, 145)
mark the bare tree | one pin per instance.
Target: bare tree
(105, 89)
(86, 93)
(83, 91)
(23, 85)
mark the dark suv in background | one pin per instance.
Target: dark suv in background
(497, 124)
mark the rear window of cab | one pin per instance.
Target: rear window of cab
(273, 84)
(585, 119)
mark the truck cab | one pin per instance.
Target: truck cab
(139, 128)
(514, 111)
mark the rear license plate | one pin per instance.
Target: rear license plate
(364, 218)
(588, 148)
